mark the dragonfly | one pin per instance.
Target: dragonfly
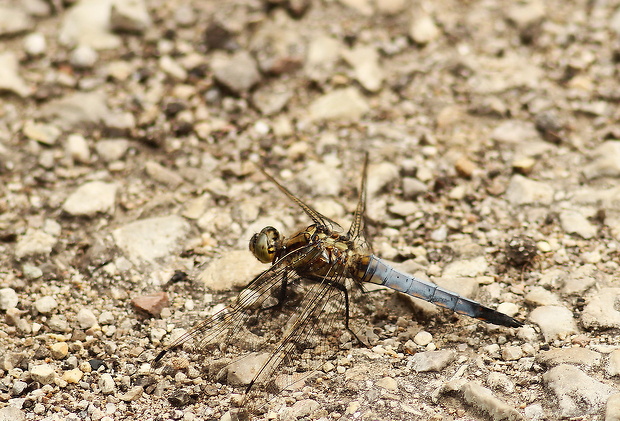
(327, 265)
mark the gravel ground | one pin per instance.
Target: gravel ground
(130, 136)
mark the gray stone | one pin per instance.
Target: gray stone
(45, 305)
(111, 149)
(79, 108)
(83, 57)
(322, 179)
(91, 198)
(605, 161)
(106, 384)
(8, 298)
(244, 370)
(574, 355)
(380, 177)
(163, 175)
(172, 68)
(515, 132)
(577, 281)
(539, 296)
(466, 267)
(14, 20)
(43, 133)
(86, 318)
(238, 72)
(147, 240)
(423, 29)
(512, 353)
(300, 409)
(43, 373)
(10, 413)
(431, 360)
(523, 191)
(601, 311)
(412, 188)
(77, 148)
(232, 270)
(573, 222)
(34, 242)
(555, 322)
(129, 16)
(363, 7)
(483, 399)
(526, 14)
(613, 367)
(500, 381)
(341, 104)
(404, 208)
(612, 409)
(132, 394)
(88, 23)
(577, 393)
(271, 99)
(366, 67)
(10, 79)
(322, 56)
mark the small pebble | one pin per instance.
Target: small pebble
(45, 305)
(423, 338)
(83, 57)
(35, 44)
(8, 298)
(86, 318)
(72, 376)
(43, 373)
(59, 350)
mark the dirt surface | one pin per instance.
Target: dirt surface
(130, 140)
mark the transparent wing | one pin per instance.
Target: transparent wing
(357, 231)
(316, 217)
(303, 328)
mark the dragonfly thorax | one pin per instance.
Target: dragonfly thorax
(265, 244)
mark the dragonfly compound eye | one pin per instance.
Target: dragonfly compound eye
(264, 244)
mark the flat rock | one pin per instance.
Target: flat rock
(577, 393)
(423, 29)
(87, 108)
(523, 191)
(366, 68)
(612, 410)
(243, 371)
(601, 311)
(10, 78)
(574, 355)
(605, 161)
(235, 269)
(483, 399)
(147, 240)
(163, 175)
(322, 57)
(341, 104)
(14, 20)
(579, 280)
(43, 373)
(573, 222)
(91, 198)
(466, 267)
(515, 132)
(431, 360)
(540, 296)
(152, 304)
(613, 366)
(238, 72)
(555, 322)
(35, 242)
(88, 23)
(10, 413)
(129, 16)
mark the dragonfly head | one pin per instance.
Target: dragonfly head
(265, 244)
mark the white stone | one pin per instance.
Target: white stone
(91, 198)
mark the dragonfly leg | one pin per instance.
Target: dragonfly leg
(343, 289)
(281, 295)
